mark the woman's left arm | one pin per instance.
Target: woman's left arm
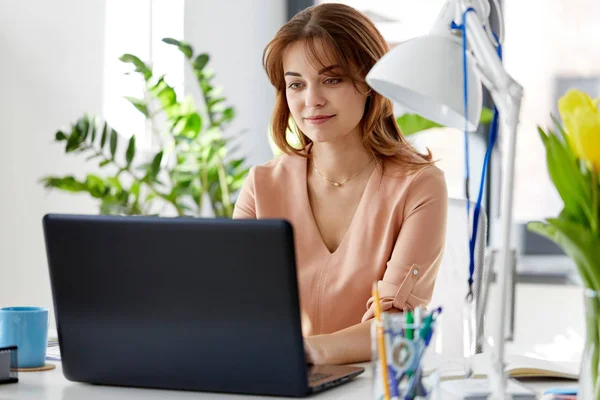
(410, 273)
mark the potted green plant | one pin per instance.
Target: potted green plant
(191, 165)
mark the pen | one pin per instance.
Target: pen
(381, 344)
(409, 325)
(426, 332)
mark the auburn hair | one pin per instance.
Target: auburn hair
(351, 38)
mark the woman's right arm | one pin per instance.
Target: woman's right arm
(245, 206)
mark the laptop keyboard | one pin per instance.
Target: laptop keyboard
(317, 376)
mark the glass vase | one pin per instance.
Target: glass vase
(589, 381)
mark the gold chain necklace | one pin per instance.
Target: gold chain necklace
(339, 184)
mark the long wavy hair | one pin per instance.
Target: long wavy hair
(349, 37)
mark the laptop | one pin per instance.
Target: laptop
(181, 303)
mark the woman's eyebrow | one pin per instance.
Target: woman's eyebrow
(321, 71)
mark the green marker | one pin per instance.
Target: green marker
(409, 323)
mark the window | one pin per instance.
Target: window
(550, 46)
(137, 27)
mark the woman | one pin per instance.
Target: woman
(365, 206)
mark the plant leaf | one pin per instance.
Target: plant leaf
(171, 41)
(201, 61)
(578, 242)
(192, 126)
(104, 135)
(139, 104)
(60, 136)
(184, 47)
(113, 143)
(68, 183)
(167, 97)
(140, 66)
(566, 176)
(130, 151)
(96, 186)
(228, 114)
(412, 123)
(135, 188)
(155, 165)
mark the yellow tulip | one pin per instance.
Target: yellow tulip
(581, 117)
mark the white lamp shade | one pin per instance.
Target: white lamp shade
(425, 75)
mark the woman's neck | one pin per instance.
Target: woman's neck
(340, 159)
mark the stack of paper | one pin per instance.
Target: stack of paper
(480, 389)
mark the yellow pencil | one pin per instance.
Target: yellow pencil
(381, 343)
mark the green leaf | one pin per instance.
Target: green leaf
(68, 183)
(560, 129)
(130, 151)
(104, 163)
(201, 61)
(212, 102)
(140, 66)
(94, 129)
(184, 47)
(578, 242)
(192, 126)
(60, 136)
(235, 164)
(113, 143)
(135, 188)
(83, 126)
(155, 165)
(104, 135)
(228, 114)
(139, 104)
(167, 97)
(566, 176)
(171, 41)
(412, 123)
(114, 182)
(96, 186)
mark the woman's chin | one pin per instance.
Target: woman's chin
(324, 137)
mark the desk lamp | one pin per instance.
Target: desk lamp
(439, 77)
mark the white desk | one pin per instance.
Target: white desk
(51, 385)
(537, 332)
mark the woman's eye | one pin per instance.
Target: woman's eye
(333, 81)
(294, 85)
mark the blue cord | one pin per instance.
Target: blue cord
(493, 134)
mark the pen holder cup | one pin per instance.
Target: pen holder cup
(413, 364)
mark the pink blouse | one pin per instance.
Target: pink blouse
(396, 238)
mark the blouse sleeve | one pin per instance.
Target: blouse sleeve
(411, 271)
(245, 206)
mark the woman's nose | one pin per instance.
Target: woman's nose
(314, 98)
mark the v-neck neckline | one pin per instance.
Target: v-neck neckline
(315, 226)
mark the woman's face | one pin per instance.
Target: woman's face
(325, 107)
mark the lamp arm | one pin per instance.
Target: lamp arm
(507, 95)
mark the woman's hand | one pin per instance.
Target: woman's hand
(350, 345)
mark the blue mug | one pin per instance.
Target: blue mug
(26, 328)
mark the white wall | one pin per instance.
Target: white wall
(50, 74)
(234, 33)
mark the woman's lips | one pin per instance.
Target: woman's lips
(319, 120)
